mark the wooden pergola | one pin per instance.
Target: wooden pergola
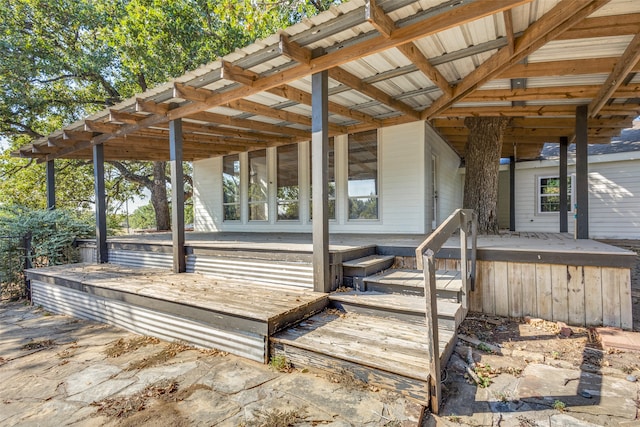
(563, 70)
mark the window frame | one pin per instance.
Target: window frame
(281, 202)
(238, 203)
(378, 183)
(539, 195)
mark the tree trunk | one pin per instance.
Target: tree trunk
(482, 164)
(159, 196)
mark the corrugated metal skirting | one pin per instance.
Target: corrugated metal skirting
(141, 259)
(255, 270)
(169, 327)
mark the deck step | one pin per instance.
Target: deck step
(383, 352)
(411, 282)
(367, 266)
(397, 306)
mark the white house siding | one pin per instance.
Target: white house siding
(207, 194)
(404, 156)
(449, 180)
(614, 196)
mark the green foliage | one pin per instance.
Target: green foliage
(559, 405)
(280, 363)
(143, 218)
(50, 234)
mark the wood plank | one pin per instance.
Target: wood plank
(575, 286)
(487, 280)
(529, 291)
(610, 297)
(624, 282)
(301, 357)
(559, 291)
(544, 296)
(501, 273)
(593, 295)
(515, 289)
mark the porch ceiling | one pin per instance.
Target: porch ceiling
(392, 62)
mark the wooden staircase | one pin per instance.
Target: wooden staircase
(382, 331)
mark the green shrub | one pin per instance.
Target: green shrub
(50, 234)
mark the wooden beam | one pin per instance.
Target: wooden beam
(508, 26)
(437, 22)
(357, 84)
(237, 74)
(413, 53)
(378, 19)
(151, 106)
(630, 110)
(561, 68)
(541, 122)
(625, 64)
(604, 26)
(434, 23)
(221, 119)
(559, 19)
(293, 50)
(125, 117)
(302, 97)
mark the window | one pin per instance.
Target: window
(258, 186)
(363, 175)
(331, 178)
(231, 187)
(549, 194)
(287, 179)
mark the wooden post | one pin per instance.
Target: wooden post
(564, 144)
(512, 193)
(102, 254)
(177, 195)
(582, 173)
(320, 196)
(464, 275)
(431, 318)
(51, 185)
(474, 245)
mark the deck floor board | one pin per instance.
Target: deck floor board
(382, 343)
(247, 300)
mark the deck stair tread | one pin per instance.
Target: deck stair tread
(446, 280)
(388, 345)
(395, 302)
(367, 261)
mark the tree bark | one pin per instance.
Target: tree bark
(159, 196)
(482, 164)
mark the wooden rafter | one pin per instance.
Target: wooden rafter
(380, 20)
(625, 64)
(343, 76)
(561, 68)
(604, 26)
(541, 122)
(563, 16)
(629, 110)
(413, 54)
(548, 93)
(508, 26)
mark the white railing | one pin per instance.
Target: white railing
(464, 220)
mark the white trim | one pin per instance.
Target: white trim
(537, 187)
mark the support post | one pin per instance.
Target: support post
(51, 185)
(582, 173)
(512, 193)
(320, 196)
(177, 195)
(102, 254)
(464, 266)
(431, 319)
(564, 144)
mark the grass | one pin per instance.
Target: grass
(35, 345)
(124, 346)
(280, 363)
(277, 418)
(559, 405)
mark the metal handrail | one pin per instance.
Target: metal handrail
(466, 221)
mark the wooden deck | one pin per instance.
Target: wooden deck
(229, 315)
(380, 351)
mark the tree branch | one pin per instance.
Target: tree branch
(124, 171)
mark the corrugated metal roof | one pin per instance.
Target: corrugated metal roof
(353, 44)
